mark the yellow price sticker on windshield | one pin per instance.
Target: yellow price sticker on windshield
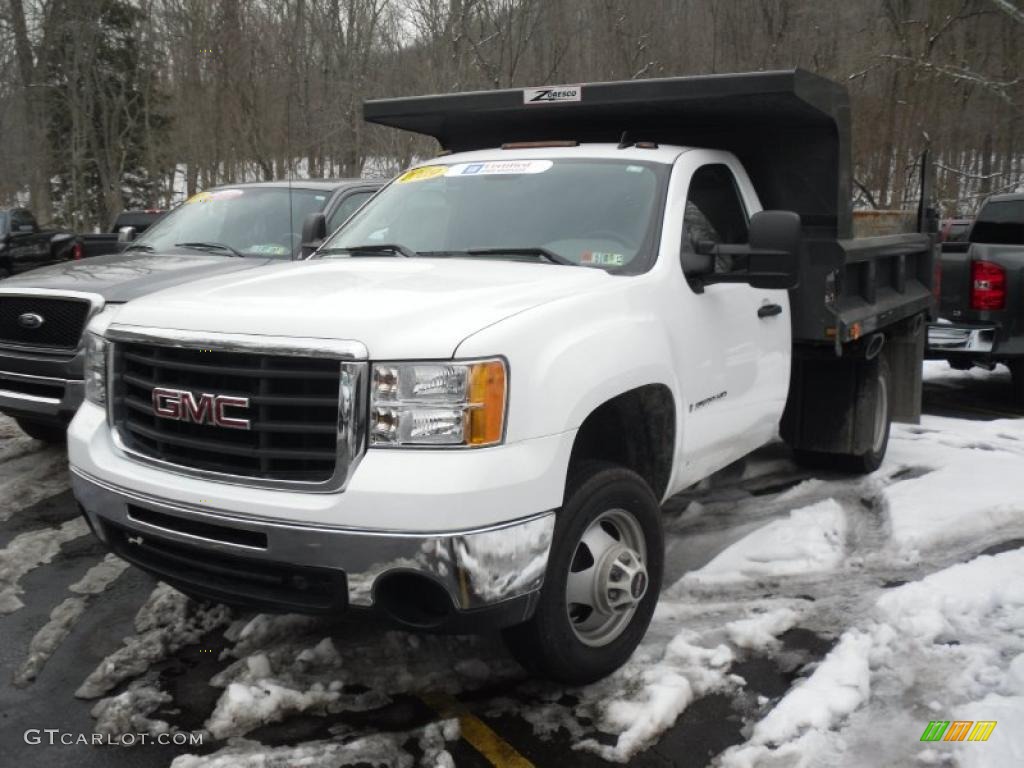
(202, 197)
(423, 173)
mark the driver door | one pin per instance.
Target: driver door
(737, 336)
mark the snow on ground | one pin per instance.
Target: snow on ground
(947, 647)
(64, 616)
(30, 550)
(165, 623)
(30, 470)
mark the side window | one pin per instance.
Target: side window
(714, 211)
(347, 207)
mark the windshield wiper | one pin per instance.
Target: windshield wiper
(539, 252)
(395, 249)
(138, 247)
(211, 246)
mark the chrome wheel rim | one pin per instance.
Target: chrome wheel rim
(607, 578)
(881, 414)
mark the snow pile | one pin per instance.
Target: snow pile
(966, 499)
(644, 697)
(382, 750)
(128, 712)
(947, 647)
(64, 616)
(257, 693)
(811, 539)
(28, 551)
(166, 622)
(761, 630)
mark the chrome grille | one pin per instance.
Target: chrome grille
(301, 412)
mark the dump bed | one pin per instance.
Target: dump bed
(791, 131)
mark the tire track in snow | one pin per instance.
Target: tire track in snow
(28, 551)
(63, 618)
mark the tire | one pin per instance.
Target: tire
(47, 431)
(617, 511)
(873, 393)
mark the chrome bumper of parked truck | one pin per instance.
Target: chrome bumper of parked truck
(961, 338)
(40, 395)
(476, 568)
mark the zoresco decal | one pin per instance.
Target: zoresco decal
(552, 93)
(499, 167)
(423, 173)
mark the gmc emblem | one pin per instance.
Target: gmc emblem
(181, 405)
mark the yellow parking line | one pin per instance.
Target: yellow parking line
(495, 749)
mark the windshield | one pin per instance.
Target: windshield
(597, 213)
(252, 220)
(3, 222)
(1000, 223)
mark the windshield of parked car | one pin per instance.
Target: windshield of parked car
(1000, 223)
(3, 222)
(587, 212)
(254, 221)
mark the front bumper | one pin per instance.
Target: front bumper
(40, 397)
(490, 575)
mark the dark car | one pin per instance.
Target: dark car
(227, 229)
(982, 305)
(113, 241)
(24, 245)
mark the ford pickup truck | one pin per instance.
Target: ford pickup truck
(464, 410)
(981, 314)
(43, 312)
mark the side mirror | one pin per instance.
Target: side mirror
(314, 230)
(125, 235)
(770, 260)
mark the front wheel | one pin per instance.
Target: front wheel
(603, 579)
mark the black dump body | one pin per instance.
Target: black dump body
(791, 131)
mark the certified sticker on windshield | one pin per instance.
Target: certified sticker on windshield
(423, 173)
(217, 194)
(499, 168)
(603, 258)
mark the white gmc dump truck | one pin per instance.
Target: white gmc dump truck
(464, 410)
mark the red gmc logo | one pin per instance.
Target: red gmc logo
(181, 405)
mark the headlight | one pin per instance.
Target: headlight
(96, 350)
(438, 403)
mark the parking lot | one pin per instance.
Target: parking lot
(90, 646)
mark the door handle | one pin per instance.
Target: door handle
(769, 310)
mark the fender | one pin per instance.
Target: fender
(570, 356)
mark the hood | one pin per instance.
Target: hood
(398, 308)
(120, 277)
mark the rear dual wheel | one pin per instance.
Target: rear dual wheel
(872, 402)
(603, 579)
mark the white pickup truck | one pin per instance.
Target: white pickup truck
(464, 411)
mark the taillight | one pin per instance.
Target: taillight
(988, 285)
(77, 252)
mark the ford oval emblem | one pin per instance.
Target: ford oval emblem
(31, 320)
